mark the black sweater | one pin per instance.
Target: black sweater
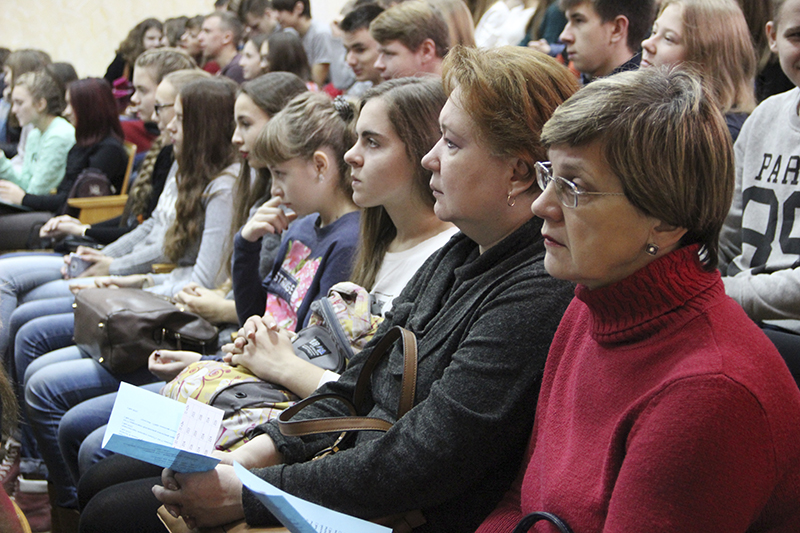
(108, 156)
(484, 324)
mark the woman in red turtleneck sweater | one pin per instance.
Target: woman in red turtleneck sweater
(662, 407)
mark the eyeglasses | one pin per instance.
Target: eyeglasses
(159, 107)
(566, 191)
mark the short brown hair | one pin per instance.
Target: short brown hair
(640, 15)
(719, 45)
(411, 23)
(288, 5)
(162, 61)
(690, 182)
(509, 92)
(229, 22)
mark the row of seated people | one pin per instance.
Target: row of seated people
(283, 51)
(371, 60)
(474, 169)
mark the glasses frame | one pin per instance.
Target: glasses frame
(566, 191)
(159, 107)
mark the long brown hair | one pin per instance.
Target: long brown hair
(720, 48)
(535, 23)
(132, 47)
(205, 152)
(270, 92)
(142, 189)
(413, 106)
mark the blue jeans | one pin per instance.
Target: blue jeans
(80, 434)
(40, 335)
(50, 326)
(55, 389)
(24, 278)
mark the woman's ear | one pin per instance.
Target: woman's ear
(666, 236)
(40, 105)
(521, 177)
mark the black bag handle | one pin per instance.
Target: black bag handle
(528, 521)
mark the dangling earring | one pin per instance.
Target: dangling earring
(651, 249)
(511, 201)
(320, 177)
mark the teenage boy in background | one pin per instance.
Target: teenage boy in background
(759, 244)
(412, 40)
(604, 37)
(362, 49)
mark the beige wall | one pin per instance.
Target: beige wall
(86, 32)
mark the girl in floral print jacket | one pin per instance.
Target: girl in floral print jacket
(304, 147)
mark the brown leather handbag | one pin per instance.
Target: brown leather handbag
(402, 522)
(120, 328)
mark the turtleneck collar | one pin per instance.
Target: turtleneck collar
(666, 293)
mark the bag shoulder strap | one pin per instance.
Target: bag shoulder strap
(528, 521)
(408, 385)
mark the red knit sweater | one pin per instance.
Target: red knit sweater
(663, 408)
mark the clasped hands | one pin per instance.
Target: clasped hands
(264, 348)
(215, 497)
(61, 226)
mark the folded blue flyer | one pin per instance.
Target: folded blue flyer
(162, 431)
(299, 515)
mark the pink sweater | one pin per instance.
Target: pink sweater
(663, 408)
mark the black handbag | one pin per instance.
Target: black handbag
(526, 523)
(120, 328)
(90, 182)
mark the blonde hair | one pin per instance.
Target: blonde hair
(720, 48)
(690, 184)
(162, 61)
(509, 92)
(308, 123)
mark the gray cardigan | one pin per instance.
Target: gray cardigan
(484, 325)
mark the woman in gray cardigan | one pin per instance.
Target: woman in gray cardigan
(483, 310)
